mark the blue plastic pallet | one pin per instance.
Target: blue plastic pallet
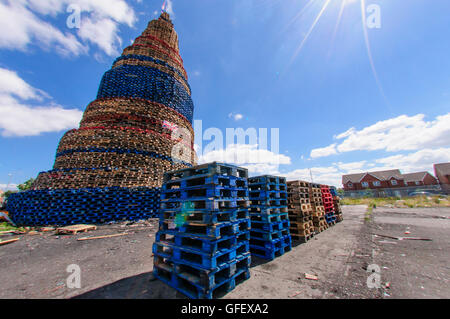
(146, 83)
(205, 204)
(270, 227)
(71, 206)
(259, 234)
(207, 231)
(200, 244)
(268, 202)
(270, 254)
(194, 258)
(205, 180)
(204, 217)
(257, 217)
(206, 170)
(263, 194)
(202, 192)
(267, 179)
(267, 210)
(194, 292)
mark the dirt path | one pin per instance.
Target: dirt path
(325, 256)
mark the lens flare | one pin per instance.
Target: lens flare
(369, 50)
(310, 30)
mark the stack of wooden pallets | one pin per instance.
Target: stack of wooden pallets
(202, 246)
(315, 195)
(300, 211)
(139, 127)
(270, 237)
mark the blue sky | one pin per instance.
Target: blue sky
(251, 64)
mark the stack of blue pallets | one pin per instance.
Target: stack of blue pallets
(202, 246)
(269, 236)
(83, 206)
(337, 204)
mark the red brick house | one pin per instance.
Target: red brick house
(420, 179)
(386, 183)
(442, 172)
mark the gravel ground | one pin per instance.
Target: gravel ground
(414, 268)
(35, 266)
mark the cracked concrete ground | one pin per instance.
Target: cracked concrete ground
(35, 266)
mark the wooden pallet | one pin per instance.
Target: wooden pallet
(320, 229)
(75, 229)
(302, 239)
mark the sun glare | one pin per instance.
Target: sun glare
(323, 8)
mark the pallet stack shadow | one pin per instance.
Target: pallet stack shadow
(328, 204)
(270, 237)
(300, 211)
(337, 204)
(315, 195)
(202, 246)
(112, 166)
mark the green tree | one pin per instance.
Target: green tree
(25, 186)
(8, 193)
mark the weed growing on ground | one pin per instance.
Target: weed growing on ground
(407, 202)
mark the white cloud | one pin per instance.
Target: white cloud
(322, 175)
(323, 152)
(8, 187)
(418, 161)
(103, 33)
(236, 117)
(20, 119)
(422, 160)
(403, 133)
(22, 25)
(353, 167)
(12, 84)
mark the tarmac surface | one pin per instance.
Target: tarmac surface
(341, 257)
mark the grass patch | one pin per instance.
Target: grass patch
(7, 227)
(407, 202)
(369, 212)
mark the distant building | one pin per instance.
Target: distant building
(387, 183)
(442, 172)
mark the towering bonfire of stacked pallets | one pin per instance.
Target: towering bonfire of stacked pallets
(270, 235)
(336, 204)
(202, 246)
(300, 211)
(112, 166)
(327, 200)
(315, 195)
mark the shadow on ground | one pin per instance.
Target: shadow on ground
(144, 286)
(136, 287)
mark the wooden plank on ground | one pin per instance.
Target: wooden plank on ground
(5, 242)
(102, 237)
(74, 229)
